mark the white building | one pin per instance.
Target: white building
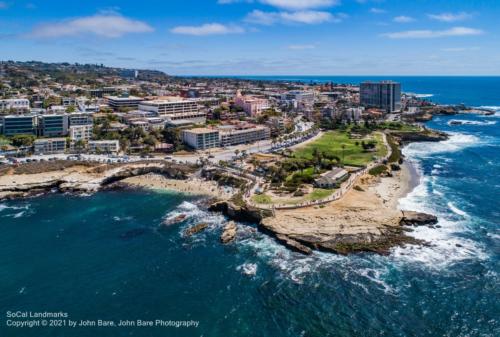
(81, 132)
(201, 138)
(17, 105)
(175, 110)
(104, 146)
(49, 145)
(242, 134)
(298, 96)
(169, 106)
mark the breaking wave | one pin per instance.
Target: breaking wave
(456, 142)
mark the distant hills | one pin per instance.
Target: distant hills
(31, 73)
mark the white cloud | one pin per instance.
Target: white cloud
(403, 19)
(450, 17)
(207, 29)
(427, 34)
(300, 4)
(303, 17)
(375, 10)
(301, 46)
(110, 25)
(459, 49)
(290, 4)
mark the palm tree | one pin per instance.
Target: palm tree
(343, 149)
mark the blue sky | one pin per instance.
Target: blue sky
(259, 37)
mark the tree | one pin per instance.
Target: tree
(23, 140)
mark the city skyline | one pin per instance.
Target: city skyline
(260, 37)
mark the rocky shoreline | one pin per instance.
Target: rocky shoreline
(83, 178)
(362, 221)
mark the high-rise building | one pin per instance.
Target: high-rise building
(384, 95)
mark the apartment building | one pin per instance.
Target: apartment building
(104, 146)
(14, 105)
(81, 132)
(385, 95)
(49, 145)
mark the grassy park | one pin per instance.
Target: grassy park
(316, 194)
(349, 150)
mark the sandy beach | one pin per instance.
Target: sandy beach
(194, 186)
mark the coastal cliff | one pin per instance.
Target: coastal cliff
(35, 178)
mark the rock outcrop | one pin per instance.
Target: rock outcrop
(420, 136)
(411, 218)
(229, 232)
(293, 244)
(239, 213)
(195, 229)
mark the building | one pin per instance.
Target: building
(104, 146)
(242, 133)
(14, 105)
(175, 110)
(123, 102)
(19, 125)
(53, 125)
(331, 179)
(253, 106)
(169, 106)
(75, 119)
(101, 92)
(49, 145)
(81, 132)
(385, 95)
(201, 138)
(298, 96)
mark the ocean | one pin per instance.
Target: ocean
(106, 256)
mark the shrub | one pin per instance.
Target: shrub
(377, 170)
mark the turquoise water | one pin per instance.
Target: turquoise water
(107, 256)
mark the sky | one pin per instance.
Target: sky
(259, 37)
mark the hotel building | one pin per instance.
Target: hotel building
(253, 106)
(201, 138)
(225, 135)
(242, 134)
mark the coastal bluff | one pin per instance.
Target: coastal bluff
(79, 177)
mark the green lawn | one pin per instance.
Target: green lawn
(398, 126)
(316, 194)
(319, 193)
(331, 142)
(262, 199)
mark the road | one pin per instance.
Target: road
(213, 155)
